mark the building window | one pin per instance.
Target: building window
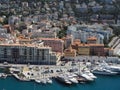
(43, 54)
(37, 52)
(5, 53)
(30, 52)
(15, 53)
(25, 53)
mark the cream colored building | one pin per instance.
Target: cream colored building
(83, 49)
(27, 53)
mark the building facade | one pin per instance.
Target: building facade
(88, 49)
(97, 49)
(56, 44)
(70, 52)
(83, 49)
(27, 53)
(92, 40)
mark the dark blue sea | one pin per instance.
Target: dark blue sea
(101, 83)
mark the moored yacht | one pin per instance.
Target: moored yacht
(72, 79)
(43, 81)
(3, 75)
(113, 68)
(87, 77)
(37, 80)
(63, 80)
(104, 65)
(104, 72)
(90, 74)
(81, 79)
(84, 76)
(49, 81)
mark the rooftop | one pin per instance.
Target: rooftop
(56, 39)
(96, 44)
(26, 45)
(92, 38)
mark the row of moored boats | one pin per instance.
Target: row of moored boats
(73, 77)
(105, 69)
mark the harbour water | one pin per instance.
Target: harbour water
(101, 83)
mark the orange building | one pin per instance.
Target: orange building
(70, 52)
(88, 49)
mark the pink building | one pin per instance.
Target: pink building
(55, 43)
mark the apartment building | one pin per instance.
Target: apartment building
(27, 53)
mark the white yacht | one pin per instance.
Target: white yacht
(64, 80)
(104, 72)
(49, 81)
(113, 68)
(86, 77)
(37, 80)
(90, 74)
(43, 80)
(110, 67)
(3, 75)
(72, 79)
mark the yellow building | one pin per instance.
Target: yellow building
(83, 49)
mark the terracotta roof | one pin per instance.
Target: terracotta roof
(96, 44)
(77, 41)
(56, 39)
(27, 45)
(92, 38)
(25, 39)
(83, 45)
(70, 50)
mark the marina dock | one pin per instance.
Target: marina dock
(79, 71)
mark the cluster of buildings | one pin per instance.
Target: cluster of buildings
(91, 10)
(84, 31)
(34, 53)
(21, 49)
(32, 33)
(91, 48)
